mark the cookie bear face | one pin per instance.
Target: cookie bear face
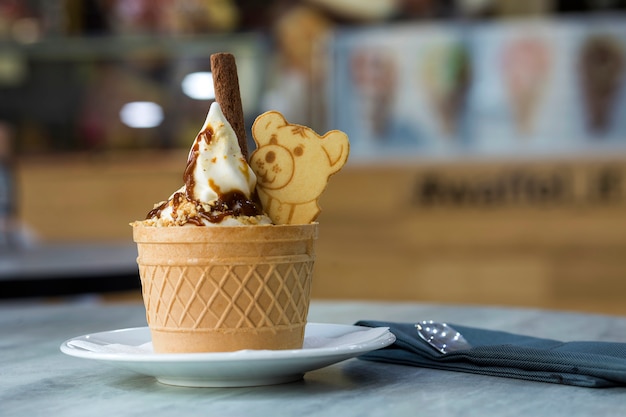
(293, 164)
(275, 164)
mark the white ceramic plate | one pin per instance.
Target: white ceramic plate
(324, 344)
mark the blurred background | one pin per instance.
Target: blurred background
(488, 139)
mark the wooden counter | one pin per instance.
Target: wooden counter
(546, 234)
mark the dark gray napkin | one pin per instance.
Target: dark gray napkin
(585, 364)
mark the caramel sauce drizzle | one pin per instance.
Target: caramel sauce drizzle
(232, 203)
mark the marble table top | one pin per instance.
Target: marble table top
(36, 379)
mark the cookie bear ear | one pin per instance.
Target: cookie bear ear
(337, 147)
(266, 125)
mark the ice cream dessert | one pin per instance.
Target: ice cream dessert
(219, 184)
(217, 272)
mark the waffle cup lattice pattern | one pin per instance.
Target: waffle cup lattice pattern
(228, 295)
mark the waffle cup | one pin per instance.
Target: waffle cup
(219, 289)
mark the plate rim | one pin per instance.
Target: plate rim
(378, 342)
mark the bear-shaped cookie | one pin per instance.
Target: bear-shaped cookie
(293, 164)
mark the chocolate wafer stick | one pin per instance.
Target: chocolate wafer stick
(226, 84)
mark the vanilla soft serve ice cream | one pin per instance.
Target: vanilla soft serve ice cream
(219, 187)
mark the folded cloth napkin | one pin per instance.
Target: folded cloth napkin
(585, 364)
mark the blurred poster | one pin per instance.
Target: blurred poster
(601, 78)
(401, 90)
(444, 71)
(522, 91)
(520, 88)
